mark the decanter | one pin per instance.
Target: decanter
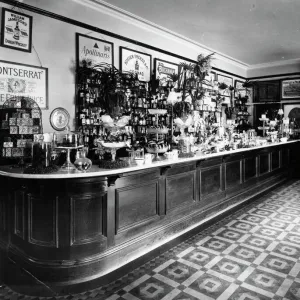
(82, 163)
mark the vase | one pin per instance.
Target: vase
(82, 163)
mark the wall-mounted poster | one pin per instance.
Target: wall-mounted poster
(290, 89)
(163, 69)
(94, 50)
(133, 61)
(16, 32)
(23, 80)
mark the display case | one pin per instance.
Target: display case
(20, 126)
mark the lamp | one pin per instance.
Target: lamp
(280, 112)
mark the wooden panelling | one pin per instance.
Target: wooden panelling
(275, 159)
(103, 224)
(250, 167)
(210, 180)
(232, 174)
(19, 214)
(138, 177)
(85, 185)
(3, 212)
(180, 189)
(264, 163)
(136, 204)
(86, 219)
(42, 221)
(285, 156)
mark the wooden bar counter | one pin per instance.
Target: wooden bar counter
(67, 229)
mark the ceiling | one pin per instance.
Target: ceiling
(250, 31)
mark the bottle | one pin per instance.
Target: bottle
(292, 125)
(17, 32)
(296, 129)
(81, 95)
(87, 94)
(82, 163)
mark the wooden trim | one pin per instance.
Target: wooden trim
(102, 31)
(31, 240)
(274, 76)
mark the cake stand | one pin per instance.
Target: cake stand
(264, 127)
(68, 166)
(113, 147)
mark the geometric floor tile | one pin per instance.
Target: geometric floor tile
(208, 285)
(253, 254)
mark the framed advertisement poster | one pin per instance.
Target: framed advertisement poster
(163, 69)
(133, 61)
(16, 30)
(94, 50)
(290, 89)
(23, 80)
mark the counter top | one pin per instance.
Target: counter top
(96, 171)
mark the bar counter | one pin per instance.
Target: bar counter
(67, 229)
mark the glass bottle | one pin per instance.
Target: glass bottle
(82, 163)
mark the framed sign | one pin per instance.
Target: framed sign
(95, 50)
(16, 32)
(23, 80)
(290, 89)
(133, 61)
(163, 69)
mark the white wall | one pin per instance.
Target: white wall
(274, 69)
(54, 42)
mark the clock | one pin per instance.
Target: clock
(59, 118)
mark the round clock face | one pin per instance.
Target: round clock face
(59, 118)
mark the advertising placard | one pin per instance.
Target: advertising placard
(23, 80)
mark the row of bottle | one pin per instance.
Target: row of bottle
(140, 118)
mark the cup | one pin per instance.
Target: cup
(169, 155)
(148, 158)
(139, 161)
(175, 153)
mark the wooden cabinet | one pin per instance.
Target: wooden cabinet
(71, 230)
(267, 91)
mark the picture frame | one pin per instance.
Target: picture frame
(133, 61)
(227, 80)
(239, 89)
(290, 89)
(16, 30)
(163, 69)
(291, 110)
(23, 80)
(93, 49)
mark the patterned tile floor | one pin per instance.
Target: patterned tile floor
(253, 254)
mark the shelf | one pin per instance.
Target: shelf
(153, 111)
